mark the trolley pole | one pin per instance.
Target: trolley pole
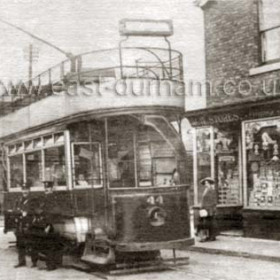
(30, 66)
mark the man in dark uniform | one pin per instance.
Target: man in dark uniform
(37, 231)
(52, 247)
(23, 215)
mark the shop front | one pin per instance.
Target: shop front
(238, 145)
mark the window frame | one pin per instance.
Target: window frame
(73, 175)
(245, 170)
(13, 152)
(262, 33)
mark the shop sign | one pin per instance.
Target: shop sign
(214, 119)
(207, 119)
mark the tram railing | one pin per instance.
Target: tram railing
(90, 67)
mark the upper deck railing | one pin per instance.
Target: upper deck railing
(96, 67)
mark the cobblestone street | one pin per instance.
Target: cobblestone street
(201, 267)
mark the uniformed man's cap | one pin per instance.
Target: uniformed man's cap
(208, 179)
(48, 184)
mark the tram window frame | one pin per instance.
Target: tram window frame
(51, 176)
(89, 185)
(15, 189)
(141, 161)
(119, 165)
(40, 174)
(24, 150)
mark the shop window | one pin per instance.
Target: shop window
(203, 155)
(227, 166)
(55, 169)
(269, 29)
(16, 171)
(87, 164)
(262, 140)
(34, 169)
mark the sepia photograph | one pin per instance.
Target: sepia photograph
(139, 140)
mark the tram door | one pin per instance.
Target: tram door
(89, 185)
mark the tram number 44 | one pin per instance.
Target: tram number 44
(153, 200)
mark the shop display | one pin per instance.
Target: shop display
(226, 154)
(218, 148)
(263, 172)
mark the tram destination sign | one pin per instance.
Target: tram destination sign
(141, 27)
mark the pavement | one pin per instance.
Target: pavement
(259, 249)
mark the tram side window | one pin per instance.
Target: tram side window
(87, 164)
(34, 168)
(55, 169)
(16, 171)
(121, 159)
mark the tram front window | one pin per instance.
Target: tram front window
(16, 171)
(121, 158)
(144, 155)
(87, 164)
(55, 169)
(157, 162)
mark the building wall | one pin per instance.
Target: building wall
(233, 47)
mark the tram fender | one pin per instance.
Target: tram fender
(98, 251)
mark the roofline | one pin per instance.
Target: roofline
(203, 3)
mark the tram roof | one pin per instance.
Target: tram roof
(97, 81)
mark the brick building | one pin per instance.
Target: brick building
(237, 135)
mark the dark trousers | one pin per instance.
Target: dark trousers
(48, 245)
(21, 247)
(212, 227)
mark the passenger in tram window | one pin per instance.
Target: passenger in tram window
(175, 179)
(17, 178)
(59, 175)
(82, 181)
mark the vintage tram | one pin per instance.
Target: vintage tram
(99, 127)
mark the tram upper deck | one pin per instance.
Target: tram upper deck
(120, 79)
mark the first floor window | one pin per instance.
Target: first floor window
(270, 29)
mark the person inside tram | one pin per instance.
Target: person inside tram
(81, 181)
(175, 179)
(17, 178)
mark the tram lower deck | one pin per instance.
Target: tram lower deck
(119, 183)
